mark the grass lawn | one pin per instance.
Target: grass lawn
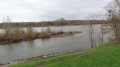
(107, 55)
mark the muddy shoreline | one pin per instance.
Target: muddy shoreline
(37, 36)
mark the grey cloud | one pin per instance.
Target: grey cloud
(37, 10)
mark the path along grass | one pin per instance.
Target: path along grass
(107, 55)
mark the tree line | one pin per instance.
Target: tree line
(60, 22)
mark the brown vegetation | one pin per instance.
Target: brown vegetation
(18, 34)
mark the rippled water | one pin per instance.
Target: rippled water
(27, 49)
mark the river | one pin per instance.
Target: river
(28, 49)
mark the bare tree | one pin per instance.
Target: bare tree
(91, 30)
(113, 17)
(101, 21)
(6, 22)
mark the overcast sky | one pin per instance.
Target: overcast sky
(39, 10)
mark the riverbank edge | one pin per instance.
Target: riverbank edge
(37, 58)
(54, 55)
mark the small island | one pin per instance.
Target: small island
(17, 35)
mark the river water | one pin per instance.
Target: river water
(28, 49)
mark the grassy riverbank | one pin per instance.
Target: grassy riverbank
(107, 55)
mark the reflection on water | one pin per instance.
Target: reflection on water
(27, 49)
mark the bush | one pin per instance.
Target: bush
(29, 33)
(2, 36)
(7, 32)
(17, 33)
(46, 33)
(48, 30)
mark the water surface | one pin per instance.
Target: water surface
(27, 49)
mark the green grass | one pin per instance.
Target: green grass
(106, 57)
